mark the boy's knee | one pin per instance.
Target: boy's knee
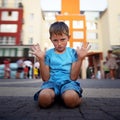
(46, 98)
(71, 98)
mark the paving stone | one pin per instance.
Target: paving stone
(24, 108)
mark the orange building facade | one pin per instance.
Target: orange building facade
(76, 22)
(70, 14)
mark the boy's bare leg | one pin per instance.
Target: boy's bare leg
(17, 75)
(46, 97)
(71, 98)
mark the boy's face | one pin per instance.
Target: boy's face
(59, 42)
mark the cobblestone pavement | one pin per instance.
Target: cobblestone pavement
(101, 101)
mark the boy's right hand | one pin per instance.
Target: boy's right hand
(36, 50)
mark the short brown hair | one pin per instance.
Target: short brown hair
(58, 28)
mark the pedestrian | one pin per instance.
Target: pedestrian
(112, 64)
(19, 67)
(37, 69)
(28, 63)
(98, 74)
(26, 71)
(106, 70)
(7, 68)
(35, 72)
(60, 68)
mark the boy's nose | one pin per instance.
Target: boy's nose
(59, 43)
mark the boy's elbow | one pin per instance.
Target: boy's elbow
(74, 77)
(45, 78)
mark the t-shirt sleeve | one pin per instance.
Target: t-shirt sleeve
(47, 59)
(74, 55)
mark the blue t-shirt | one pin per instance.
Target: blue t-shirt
(60, 64)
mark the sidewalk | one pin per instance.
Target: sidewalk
(101, 101)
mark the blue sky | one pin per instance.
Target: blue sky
(85, 5)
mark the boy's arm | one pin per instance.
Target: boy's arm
(75, 69)
(76, 66)
(36, 50)
(44, 70)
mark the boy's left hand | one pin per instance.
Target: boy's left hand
(83, 51)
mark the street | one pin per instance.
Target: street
(101, 101)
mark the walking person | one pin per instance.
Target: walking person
(106, 70)
(112, 64)
(26, 71)
(37, 69)
(28, 63)
(7, 68)
(19, 67)
(35, 72)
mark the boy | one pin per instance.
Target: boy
(60, 68)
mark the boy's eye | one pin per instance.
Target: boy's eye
(62, 40)
(55, 40)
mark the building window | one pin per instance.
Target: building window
(78, 35)
(7, 40)
(92, 36)
(77, 44)
(4, 40)
(17, 2)
(12, 52)
(11, 40)
(9, 15)
(31, 29)
(0, 40)
(119, 18)
(31, 17)
(8, 28)
(1, 52)
(91, 26)
(4, 3)
(30, 40)
(78, 24)
(7, 52)
(94, 46)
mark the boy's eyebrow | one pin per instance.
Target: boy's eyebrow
(62, 38)
(55, 39)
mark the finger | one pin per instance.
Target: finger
(33, 48)
(89, 46)
(84, 45)
(31, 52)
(38, 47)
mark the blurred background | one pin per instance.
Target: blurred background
(26, 22)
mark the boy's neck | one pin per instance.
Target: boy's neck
(59, 52)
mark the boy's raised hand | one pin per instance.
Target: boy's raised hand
(82, 51)
(36, 50)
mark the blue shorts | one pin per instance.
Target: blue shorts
(59, 89)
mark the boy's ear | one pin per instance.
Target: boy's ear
(50, 38)
(69, 36)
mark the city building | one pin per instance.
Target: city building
(20, 27)
(110, 27)
(24, 23)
